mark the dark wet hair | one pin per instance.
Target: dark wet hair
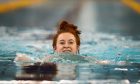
(67, 27)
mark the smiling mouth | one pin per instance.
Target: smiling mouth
(66, 50)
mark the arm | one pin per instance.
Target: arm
(22, 59)
(103, 62)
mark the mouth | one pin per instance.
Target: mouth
(66, 50)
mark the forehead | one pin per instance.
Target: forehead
(66, 36)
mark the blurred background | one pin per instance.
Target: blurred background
(109, 16)
(109, 27)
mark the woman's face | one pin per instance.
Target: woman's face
(66, 42)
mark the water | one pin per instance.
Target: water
(119, 57)
(109, 51)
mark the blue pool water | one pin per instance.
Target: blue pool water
(122, 53)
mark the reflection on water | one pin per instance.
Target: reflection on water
(124, 74)
(66, 71)
(38, 71)
(46, 71)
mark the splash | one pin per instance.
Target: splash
(68, 58)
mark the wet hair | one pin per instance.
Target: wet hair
(66, 27)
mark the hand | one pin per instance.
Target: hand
(22, 58)
(104, 62)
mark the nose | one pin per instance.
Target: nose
(66, 45)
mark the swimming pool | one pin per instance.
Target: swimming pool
(110, 34)
(122, 53)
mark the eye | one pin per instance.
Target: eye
(62, 43)
(71, 42)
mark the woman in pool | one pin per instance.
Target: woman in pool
(66, 39)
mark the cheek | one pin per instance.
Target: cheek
(75, 47)
(58, 47)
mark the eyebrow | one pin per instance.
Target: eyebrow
(68, 40)
(61, 40)
(71, 40)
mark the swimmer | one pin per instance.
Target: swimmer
(66, 39)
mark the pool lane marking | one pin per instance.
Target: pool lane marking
(17, 4)
(135, 5)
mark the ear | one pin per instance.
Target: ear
(77, 47)
(54, 48)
